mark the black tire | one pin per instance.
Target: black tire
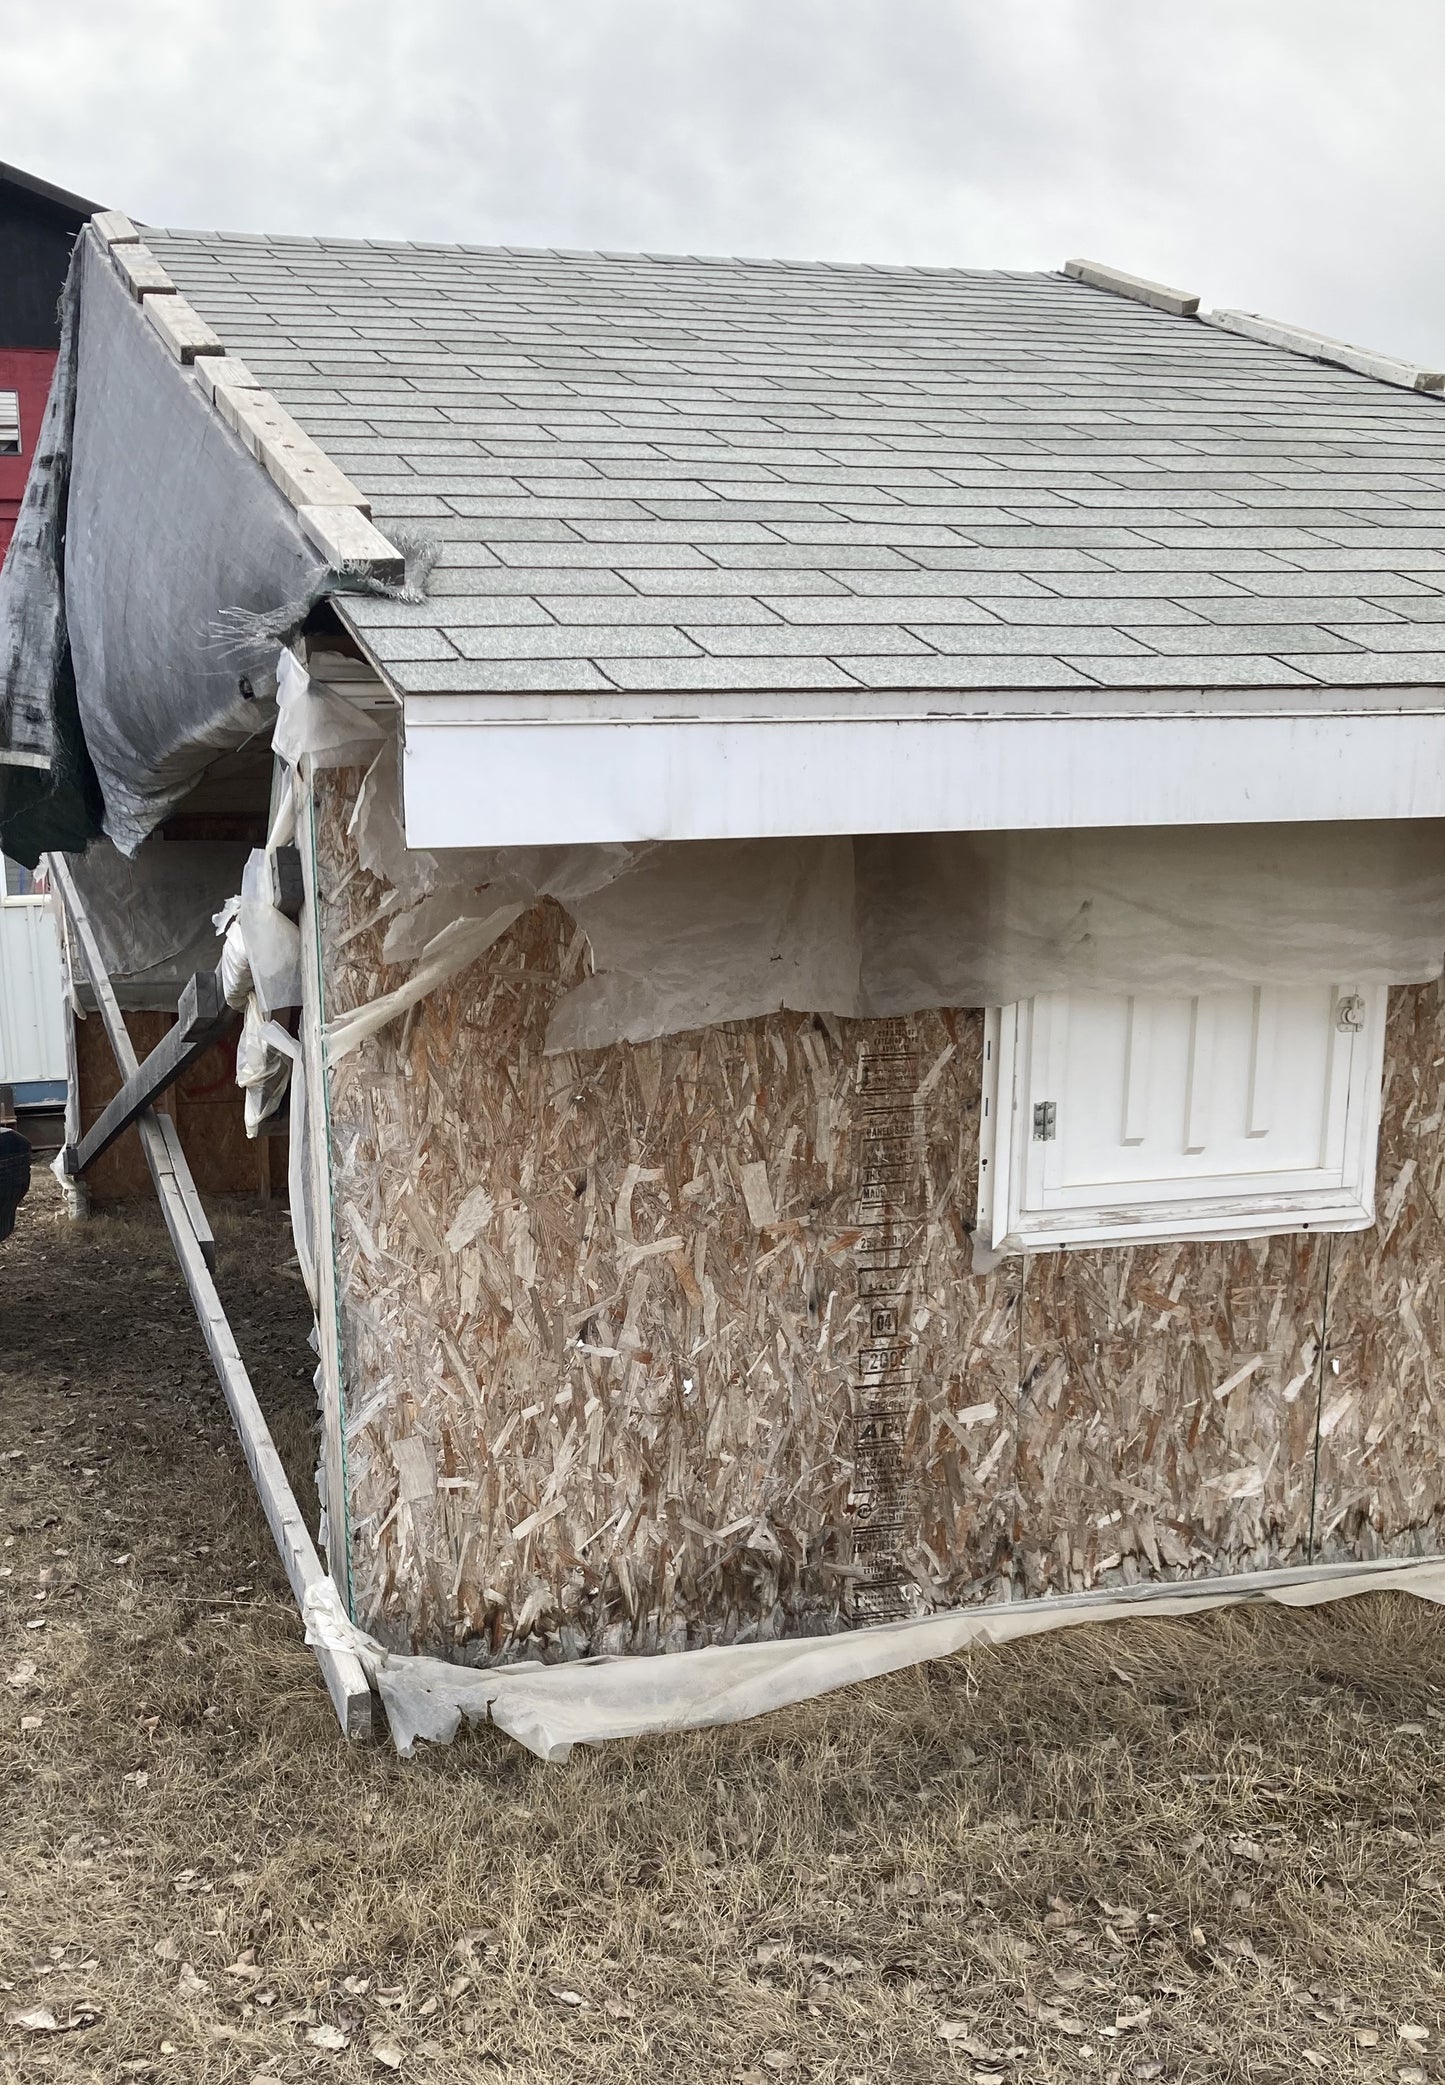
(14, 1177)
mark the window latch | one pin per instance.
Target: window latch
(1046, 1121)
(1350, 1015)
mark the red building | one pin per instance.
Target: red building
(38, 227)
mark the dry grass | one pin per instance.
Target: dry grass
(1202, 1851)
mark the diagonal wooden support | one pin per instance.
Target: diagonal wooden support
(346, 1682)
(202, 1018)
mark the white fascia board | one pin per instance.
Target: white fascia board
(510, 781)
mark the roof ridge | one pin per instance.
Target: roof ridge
(628, 256)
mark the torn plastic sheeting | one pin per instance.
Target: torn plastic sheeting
(261, 952)
(551, 1708)
(153, 916)
(271, 1036)
(687, 934)
(316, 722)
(262, 1071)
(452, 950)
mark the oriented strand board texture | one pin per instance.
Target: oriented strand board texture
(610, 1377)
(1382, 1421)
(208, 1108)
(1167, 1408)
(659, 1346)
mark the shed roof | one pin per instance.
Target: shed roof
(686, 474)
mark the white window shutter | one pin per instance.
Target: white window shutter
(1114, 1117)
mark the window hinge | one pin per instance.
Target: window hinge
(1046, 1121)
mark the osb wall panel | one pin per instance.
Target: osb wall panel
(207, 1106)
(663, 1345)
(652, 1347)
(1382, 1419)
(1166, 1412)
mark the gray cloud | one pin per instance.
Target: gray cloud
(1285, 155)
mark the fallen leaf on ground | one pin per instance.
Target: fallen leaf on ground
(22, 1674)
(327, 2037)
(387, 2054)
(567, 1997)
(39, 2019)
(1412, 2031)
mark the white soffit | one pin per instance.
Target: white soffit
(505, 773)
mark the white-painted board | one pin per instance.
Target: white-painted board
(32, 1000)
(1115, 1117)
(521, 784)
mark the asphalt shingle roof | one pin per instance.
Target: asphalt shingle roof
(654, 472)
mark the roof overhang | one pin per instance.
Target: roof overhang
(62, 199)
(528, 770)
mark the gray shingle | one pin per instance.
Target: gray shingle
(742, 674)
(803, 640)
(586, 641)
(502, 676)
(819, 471)
(990, 670)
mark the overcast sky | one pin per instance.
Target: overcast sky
(1282, 155)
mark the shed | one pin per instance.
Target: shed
(870, 880)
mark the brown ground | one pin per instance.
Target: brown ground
(1202, 1851)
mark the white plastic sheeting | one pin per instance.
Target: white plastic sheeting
(687, 934)
(261, 953)
(551, 1708)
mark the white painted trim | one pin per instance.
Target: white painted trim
(528, 784)
(1009, 1163)
(927, 705)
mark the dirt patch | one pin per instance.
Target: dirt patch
(1179, 1851)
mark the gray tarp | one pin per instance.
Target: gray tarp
(49, 796)
(154, 916)
(178, 538)
(154, 569)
